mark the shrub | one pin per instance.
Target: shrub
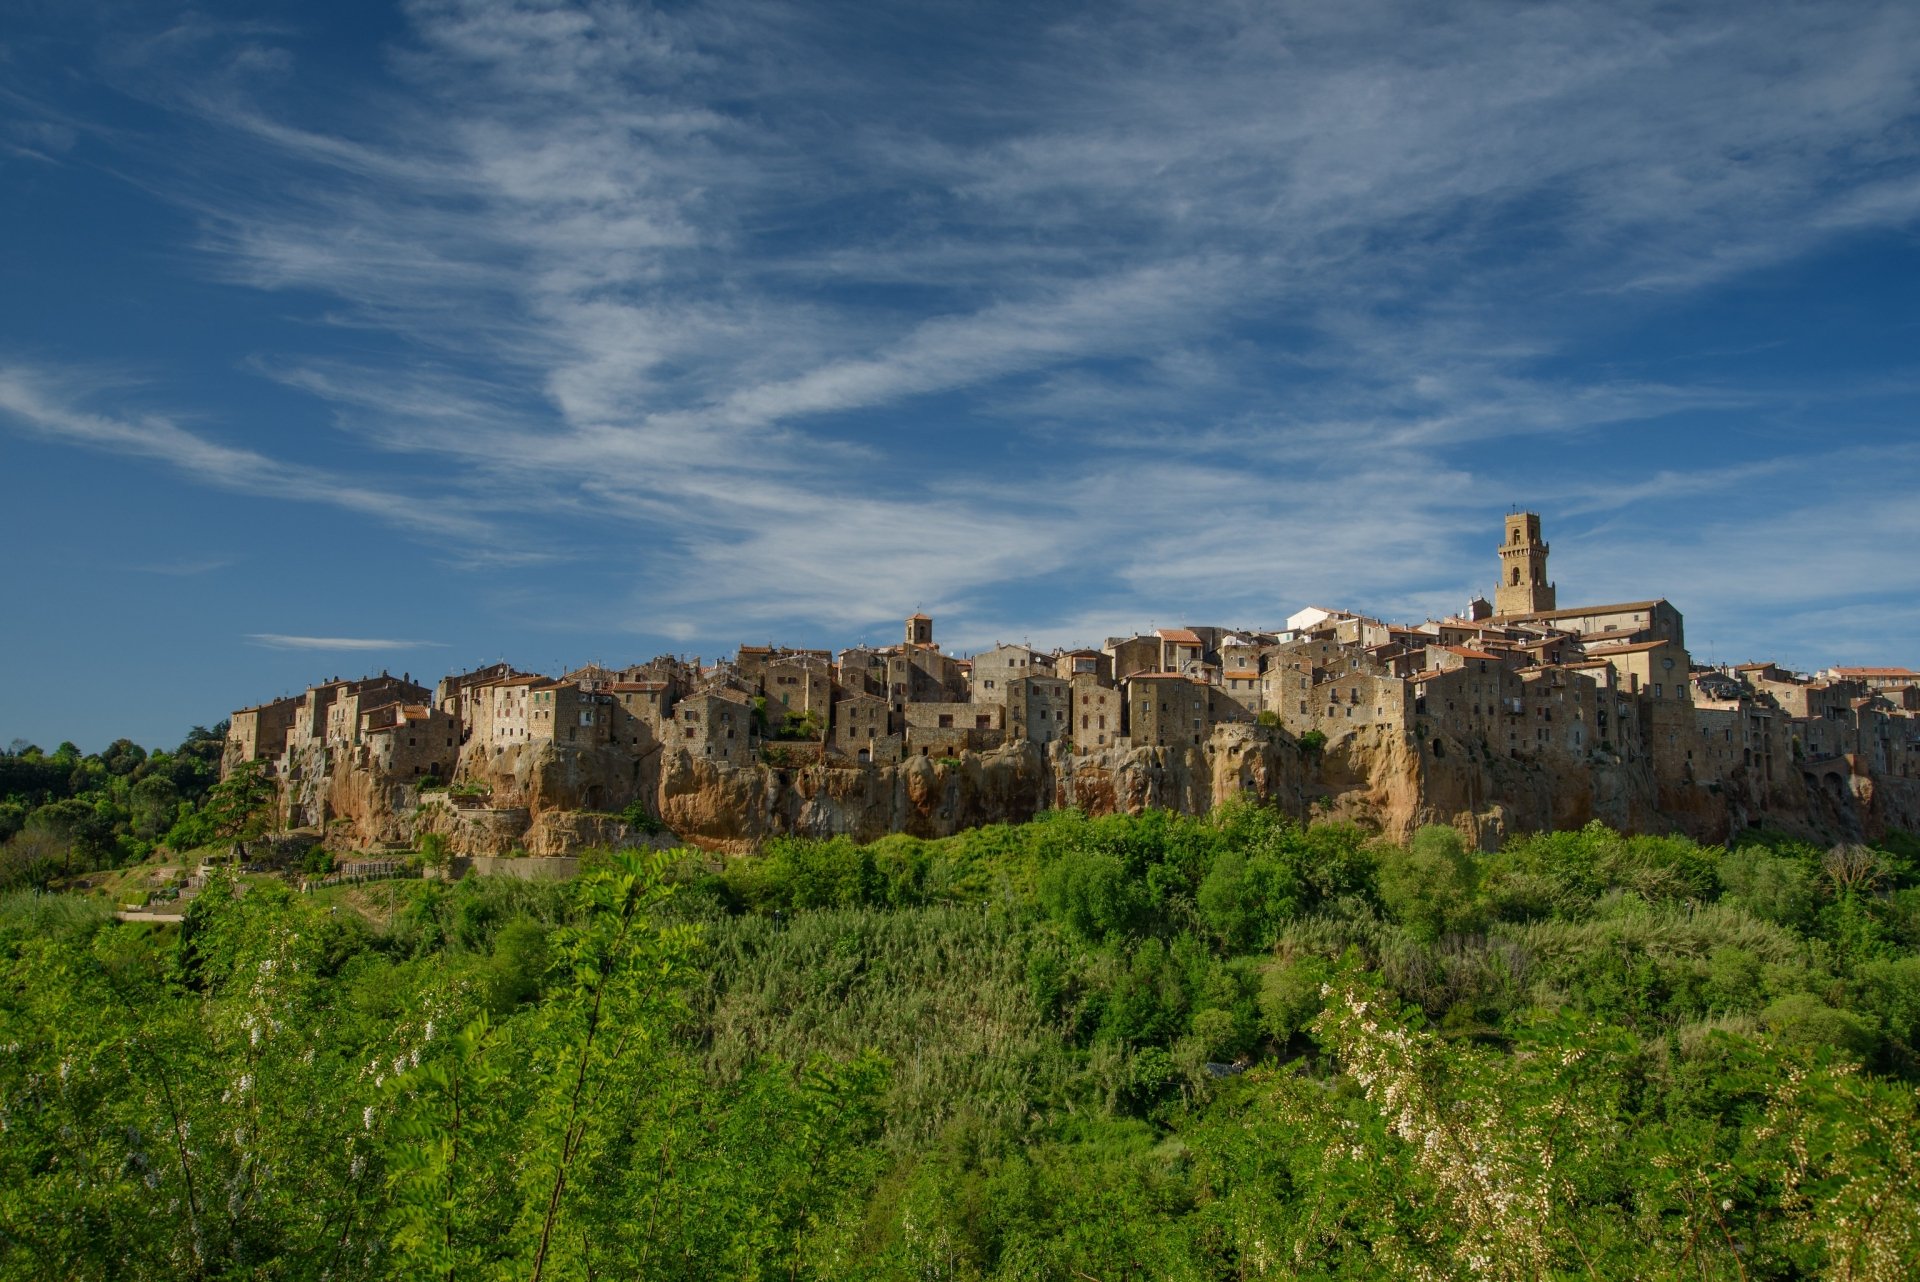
(1804, 1020)
(637, 817)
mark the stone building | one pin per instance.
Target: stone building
(1039, 708)
(1342, 702)
(1182, 650)
(1071, 664)
(351, 697)
(501, 714)
(1243, 687)
(947, 729)
(1297, 669)
(1658, 669)
(1524, 588)
(642, 712)
(459, 696)
(1098, 713)
(862, 670)
(861, 721)
(995, 671)
(1625, 622)
(715, 724)
(566, 714)
(409, 741)
(1166, 710)
(1133, 654)
(259, 733)
(753, 661)
(797, 684)
(1878, 679)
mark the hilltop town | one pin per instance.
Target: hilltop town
(1517, 713)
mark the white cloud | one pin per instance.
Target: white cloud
(281, 641)
(1217, 311)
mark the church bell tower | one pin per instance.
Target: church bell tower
(1524, 588)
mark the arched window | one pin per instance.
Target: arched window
(1516, 536)
(1516, 576)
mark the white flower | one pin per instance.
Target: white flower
(366, 1117)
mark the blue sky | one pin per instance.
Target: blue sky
(358, 337)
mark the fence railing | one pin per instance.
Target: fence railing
(367, 870)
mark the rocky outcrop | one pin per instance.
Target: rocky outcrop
(541, 799)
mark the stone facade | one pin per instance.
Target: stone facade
(715, 725)
(1604, 700)
(860, 722)
(995, 671)
(1098, 713)
(1165, 709)
(1039, 708)
(1524, 588)
(259, 734)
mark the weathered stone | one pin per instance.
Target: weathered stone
(548, 799)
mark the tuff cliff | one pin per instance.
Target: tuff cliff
(547, 799)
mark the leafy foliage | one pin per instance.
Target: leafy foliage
(1118, 1047)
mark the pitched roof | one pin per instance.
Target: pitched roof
(1876, 672)
(1179, 636)
(1635, 647)
(1619, 607)
(1465, 653)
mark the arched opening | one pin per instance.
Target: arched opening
(1516, 576)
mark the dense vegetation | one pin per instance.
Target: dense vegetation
(1116, 1048)
(62, 813)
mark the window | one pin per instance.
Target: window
(946, 721)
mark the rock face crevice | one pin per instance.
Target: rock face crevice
(546, 799)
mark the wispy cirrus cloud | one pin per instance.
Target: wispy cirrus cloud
(282, 641)
(1221, 309)
(48, 403)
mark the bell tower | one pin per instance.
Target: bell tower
(919, 630)
(1524, 588)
